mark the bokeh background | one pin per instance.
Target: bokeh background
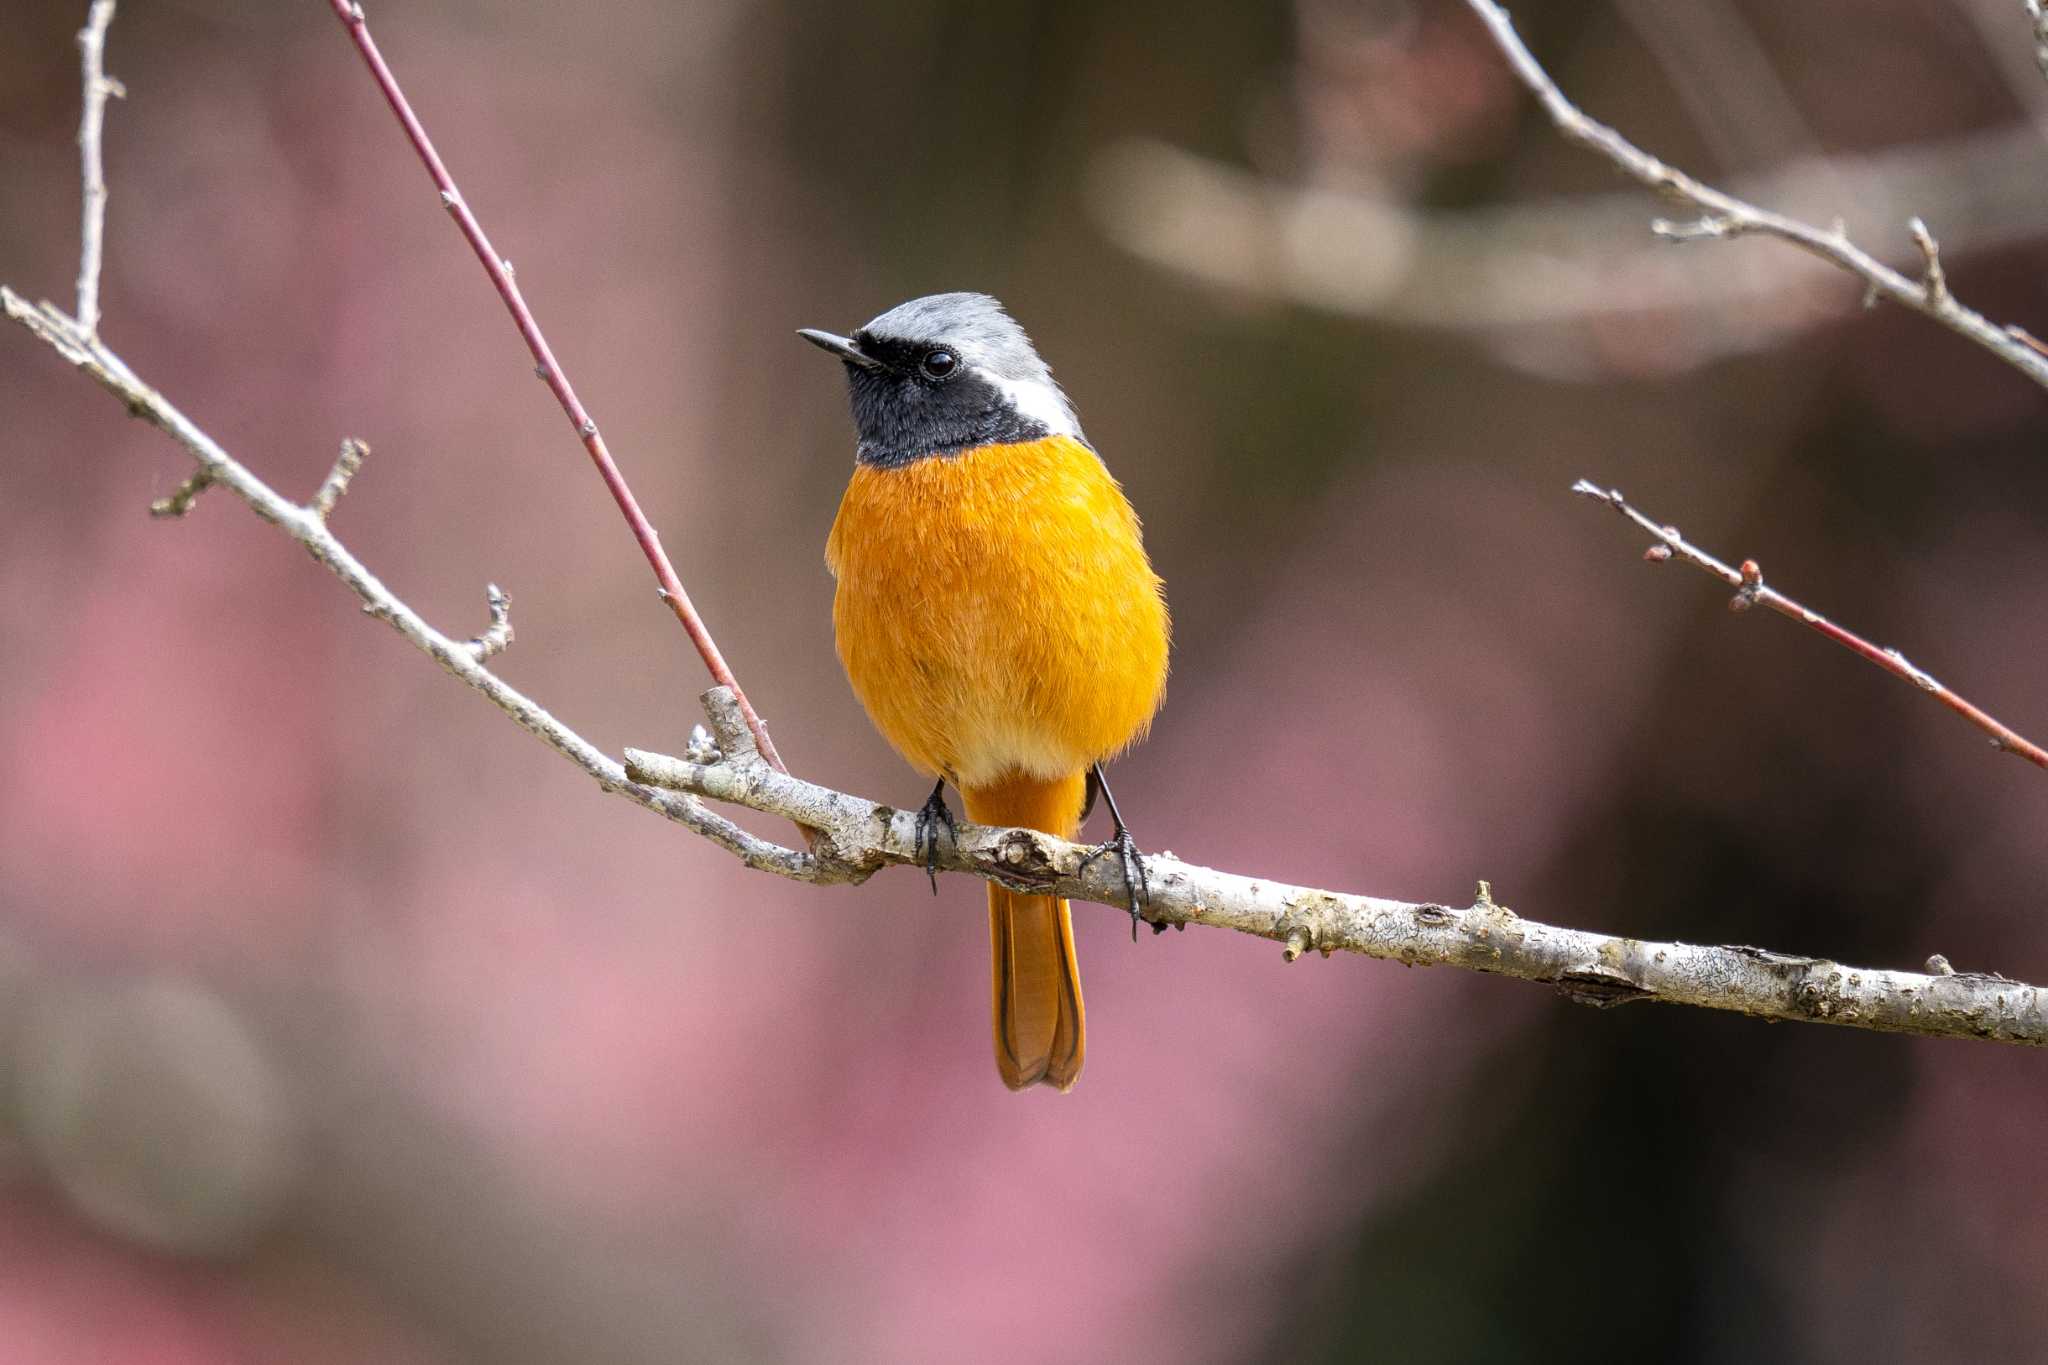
(340, 1021)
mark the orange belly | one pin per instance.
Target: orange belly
(996, 613)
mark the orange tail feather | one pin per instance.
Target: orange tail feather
(1040, 1027)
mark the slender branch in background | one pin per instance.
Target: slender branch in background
(1552, 286)
(500, 270)
(1543, 266)
(1723, 215)
(92, 47)
(1750, 591)
(855, 837)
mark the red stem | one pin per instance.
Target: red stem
(1896, 664)
(1748, 582)
(672, 592)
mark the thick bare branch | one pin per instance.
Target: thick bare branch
(1724, 215)
(856, 837)
(1751, 591)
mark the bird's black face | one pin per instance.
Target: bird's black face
(913, 399)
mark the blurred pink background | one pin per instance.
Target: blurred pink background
(487, 1066)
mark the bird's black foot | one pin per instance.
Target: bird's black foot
(1137, 891)
(929, 817)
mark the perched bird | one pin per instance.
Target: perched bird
(997, 617)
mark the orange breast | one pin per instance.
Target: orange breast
(996, 613)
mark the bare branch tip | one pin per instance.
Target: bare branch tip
(494, 640)
(336, 483)
(187, 493)
(1933, 280)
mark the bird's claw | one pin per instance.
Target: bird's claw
(1137, 892)
(1137, 889)
(929, 817)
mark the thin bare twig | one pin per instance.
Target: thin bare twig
(350, 12)
(1723, 215)
(499, 636)
(336, 483)
(183, 496)
(856, 837)
(1750, 590)
(92, 47)
(1933, 279)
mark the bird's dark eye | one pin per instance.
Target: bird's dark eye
(937, 364)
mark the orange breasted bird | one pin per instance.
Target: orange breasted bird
(997, 617)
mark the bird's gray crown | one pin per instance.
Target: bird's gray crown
(987, 339)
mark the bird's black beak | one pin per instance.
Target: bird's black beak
(845, 348)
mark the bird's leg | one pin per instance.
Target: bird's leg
(929, 817)
(1137, 892)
